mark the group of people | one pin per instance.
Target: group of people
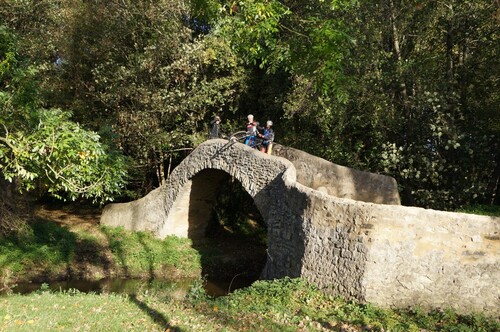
(253, 130)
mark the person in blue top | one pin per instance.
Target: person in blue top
(268, 138)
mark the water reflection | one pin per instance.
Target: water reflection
(134, 286)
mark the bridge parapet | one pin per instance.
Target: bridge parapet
(340, 181)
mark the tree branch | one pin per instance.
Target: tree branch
(293, 31)
(9, 143)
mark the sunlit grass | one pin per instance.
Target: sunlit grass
(279, 305)
(72, 312)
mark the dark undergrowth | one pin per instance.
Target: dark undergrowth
(485, 210)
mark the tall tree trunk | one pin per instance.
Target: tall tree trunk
(397, 52)
(462, 63)
(449, 55)
(493, 188)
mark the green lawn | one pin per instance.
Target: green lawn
(280, 305)
(73, 312)
(48, 249)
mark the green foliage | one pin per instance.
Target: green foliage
(293, 304)
(402, 88)
(57, 155)
(485, 210)
(196, 293)
(138, 69)
(253, 30)
(405, 97)
(429, 162)
(43, 148)
(236, 213)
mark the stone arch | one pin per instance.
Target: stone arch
(191, 187)
(191, 212)
(269, 180)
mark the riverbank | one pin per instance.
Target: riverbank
(61, 244)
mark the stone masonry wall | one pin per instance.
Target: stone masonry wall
(260, 175)
(388, 255)
(402, 256)
(340, 181)
(433, 258)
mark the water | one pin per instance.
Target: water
(133, 286)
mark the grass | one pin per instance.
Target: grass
(485, 210)
(139, 253)
(49, 251)
(279, 305)
(72, 312)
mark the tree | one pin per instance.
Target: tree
(137, 67)
(404, 88)
(42, 148)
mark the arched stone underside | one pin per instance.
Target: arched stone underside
(385, 254)
(193, 209)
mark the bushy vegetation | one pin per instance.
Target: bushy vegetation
(279, 305)
(42, 148)
(485, 210)
(292, 304)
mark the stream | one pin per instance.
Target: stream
(213, 288)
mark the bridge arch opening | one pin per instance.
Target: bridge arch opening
(227, 228)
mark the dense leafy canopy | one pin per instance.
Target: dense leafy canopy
(405, 88)
(42, 148)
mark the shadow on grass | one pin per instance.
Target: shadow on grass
(155, 315)
(48, 251)
(116, 246)
(142, 241)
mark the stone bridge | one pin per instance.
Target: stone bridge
(337, 227)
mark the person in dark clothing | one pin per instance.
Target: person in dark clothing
(215, 129)
(268, 138)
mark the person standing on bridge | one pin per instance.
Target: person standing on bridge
(251, 130)
(215, 129)
(268, 138)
